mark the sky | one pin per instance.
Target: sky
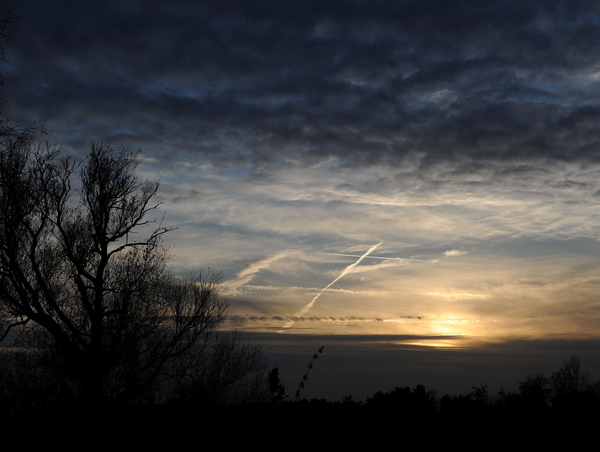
(292, 138)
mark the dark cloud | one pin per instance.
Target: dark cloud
(255, 82)
(248, 319)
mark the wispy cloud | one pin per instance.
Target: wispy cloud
(246, 274)
(454, 253)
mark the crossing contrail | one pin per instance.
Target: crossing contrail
(306, 308)
(377, 257)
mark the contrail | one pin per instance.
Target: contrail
(306, 308)
(377, 257)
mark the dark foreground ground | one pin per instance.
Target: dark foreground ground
(404, 419)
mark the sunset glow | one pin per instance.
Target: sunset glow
(289, 140)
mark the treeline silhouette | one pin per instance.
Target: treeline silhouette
(543, 410)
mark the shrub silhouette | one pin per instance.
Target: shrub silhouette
(305, 376)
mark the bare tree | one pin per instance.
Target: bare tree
(232, 371)
(570, 381)
(82, 286)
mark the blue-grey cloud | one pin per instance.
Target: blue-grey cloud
(267, 83)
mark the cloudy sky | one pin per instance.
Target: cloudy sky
(463, 135)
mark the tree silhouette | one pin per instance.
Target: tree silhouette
(276, 388)
(570, 379)
(572, 389)
(534, 393)
(82, 286)
(86, 302)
